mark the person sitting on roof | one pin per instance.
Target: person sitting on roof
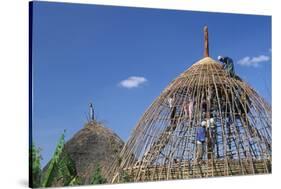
(228, 65)
(200, 140)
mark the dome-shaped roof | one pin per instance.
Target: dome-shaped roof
(166, 143)
(92, 146)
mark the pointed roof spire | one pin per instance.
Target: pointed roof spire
(206, 42)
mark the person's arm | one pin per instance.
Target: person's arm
(225, 60)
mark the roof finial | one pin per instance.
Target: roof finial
(206, 42)
(91, 112)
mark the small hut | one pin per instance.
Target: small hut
(164, 144)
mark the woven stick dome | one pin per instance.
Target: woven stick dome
(163, 144)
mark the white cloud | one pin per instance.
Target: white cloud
(132, 82)
(253, 61)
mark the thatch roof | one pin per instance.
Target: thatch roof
(92, 146)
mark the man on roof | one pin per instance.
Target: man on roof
(228, 65)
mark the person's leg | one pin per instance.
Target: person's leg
(231, 72)
(228, 69)
(199, 152)
(202, 151)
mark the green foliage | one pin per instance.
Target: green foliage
(124, 177)
(52, 170)
(61, 168)
(75, 181)
(97, 177)
(35, 166)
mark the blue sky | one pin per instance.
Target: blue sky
(121, 59)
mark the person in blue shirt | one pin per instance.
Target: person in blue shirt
(200, 140)
(228, 65)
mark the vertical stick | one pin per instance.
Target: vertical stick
(206, 42)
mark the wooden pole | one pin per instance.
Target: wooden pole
(206, 42)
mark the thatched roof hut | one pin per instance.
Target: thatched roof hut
(91, 147)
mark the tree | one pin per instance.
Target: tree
(75, 181)
(97, 177)
(35, 163)
(61, 169)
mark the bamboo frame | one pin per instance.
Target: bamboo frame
(163, 144)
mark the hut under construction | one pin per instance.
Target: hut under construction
(164, 145)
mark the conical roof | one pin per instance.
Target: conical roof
(92, 146)
(164, 143)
